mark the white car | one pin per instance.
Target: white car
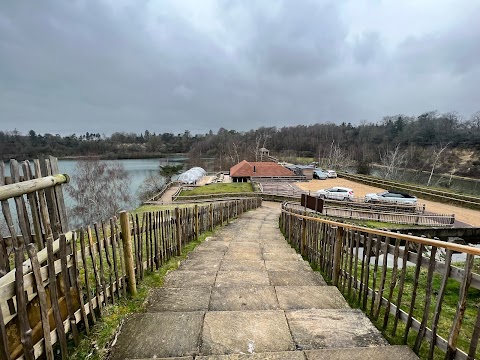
(336, 193)
(331, 173)
(392, 196)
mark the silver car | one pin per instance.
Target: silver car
(336, 193)
(391, 196)
(331, 173)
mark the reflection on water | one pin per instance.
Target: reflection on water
(138, 170)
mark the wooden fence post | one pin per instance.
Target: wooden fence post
(179, 231)
(337, 251)
(304, 237)
(196, 222)
(228, 212)
(211, 217)
(221, 213)
(127, 252)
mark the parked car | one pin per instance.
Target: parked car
(320, 174)
(331, 173)
(391, 196)
(336, 193)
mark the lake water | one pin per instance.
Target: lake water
(138, 170)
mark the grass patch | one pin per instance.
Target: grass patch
(151, 208)
(96, 345)
(222, 188)
(298, 160)
(382, 225)
(368, 223)
(449, 306)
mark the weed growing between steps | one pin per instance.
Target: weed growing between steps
(96, 345)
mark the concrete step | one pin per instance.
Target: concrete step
(371, 353)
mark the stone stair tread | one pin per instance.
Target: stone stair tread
(310, 297)
(163, 334)
(282, 355)
(178, 299)
(397, 352)
(332, 328)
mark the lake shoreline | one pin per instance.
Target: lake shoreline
(125, 157)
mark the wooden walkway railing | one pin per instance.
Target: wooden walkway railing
(409, 286)
(381, 215)
(69, 277)
(77, 275)
(159, 195)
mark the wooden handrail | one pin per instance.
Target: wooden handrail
(416, 239)
(30, 186)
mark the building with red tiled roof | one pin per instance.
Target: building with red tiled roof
(245, 170)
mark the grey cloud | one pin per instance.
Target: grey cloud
(454, 51)
(298, 39)
(87, 66)
(367, 47)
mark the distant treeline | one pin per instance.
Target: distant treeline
(418, 138)
(13, 144)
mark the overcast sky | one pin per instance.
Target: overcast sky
(167, 66)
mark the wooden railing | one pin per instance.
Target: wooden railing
(359, 203)
(43, 298)
(409, 286)
(382, 215)
(278, 178)
(159, 195)
(74, 277)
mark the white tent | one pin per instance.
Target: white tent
(192, 175)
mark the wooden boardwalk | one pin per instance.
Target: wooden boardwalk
(245, 293)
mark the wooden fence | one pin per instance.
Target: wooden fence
(64, 285)
(436, 220)
(409, 286)
(159, 195)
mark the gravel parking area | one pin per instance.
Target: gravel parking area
(464, 215)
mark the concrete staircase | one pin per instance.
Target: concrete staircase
(246, 294)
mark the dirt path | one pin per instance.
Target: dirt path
(468, 216)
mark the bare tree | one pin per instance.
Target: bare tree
(260, 142)
(152, 185)
(337, 156)
(233, 153)
(474, 122)
(393, 161)
(100, 189)
(436, 154)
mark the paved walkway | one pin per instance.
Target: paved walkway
(167, 196)
(245, 293)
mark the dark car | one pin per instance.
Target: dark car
(320, 174)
